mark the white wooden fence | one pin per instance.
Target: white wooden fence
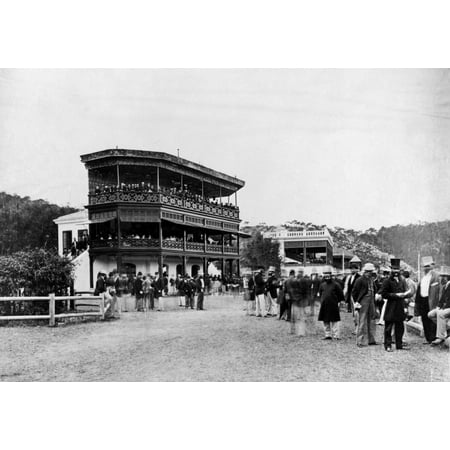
(52, 299)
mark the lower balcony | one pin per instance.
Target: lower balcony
(167, 244)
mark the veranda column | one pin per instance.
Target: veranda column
(160, 265)
(119, 262)
(91, 271)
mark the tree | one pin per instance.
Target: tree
(39, 272)
(261, 251)
(26, 222)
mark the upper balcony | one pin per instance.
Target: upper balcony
(138, 176)
(147, 195)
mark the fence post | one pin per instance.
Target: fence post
(51, 310)
(102, 305)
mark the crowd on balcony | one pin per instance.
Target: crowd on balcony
(181, 193)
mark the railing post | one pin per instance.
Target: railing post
(51, 310)
(102, 305)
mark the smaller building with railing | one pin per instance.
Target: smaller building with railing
(305, 248)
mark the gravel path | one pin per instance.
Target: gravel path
(220, 344)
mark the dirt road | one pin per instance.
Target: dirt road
(220, 344)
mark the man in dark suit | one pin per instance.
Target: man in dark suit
(349, 282)
(138, 292)
(364, 297)
(394, 290)
(200, 288)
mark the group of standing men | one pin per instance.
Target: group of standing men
(369, 295)
(388, 296)
(188, 288)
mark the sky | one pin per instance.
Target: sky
(344, 147)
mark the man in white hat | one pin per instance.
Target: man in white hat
(364, 297)
(427, 298)
(441, 314)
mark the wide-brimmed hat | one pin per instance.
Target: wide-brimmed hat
(355, 260)
(427, 261)
(327, 270)
(368, 267)
(385, 269)
(271, 269)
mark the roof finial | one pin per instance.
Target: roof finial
(178, 153)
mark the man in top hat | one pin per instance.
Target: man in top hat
(331, 295)
(364, 301)
(394, 290)
(441, 314)
(272, 294)
(427, 298)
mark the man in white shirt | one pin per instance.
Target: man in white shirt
(441, 314)
(427, 298)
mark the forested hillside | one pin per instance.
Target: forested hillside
(28, 223)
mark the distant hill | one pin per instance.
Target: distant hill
(401, 241)
(28, 223)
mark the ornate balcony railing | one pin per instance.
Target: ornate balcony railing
(167, 244)
(232, 250)
(163, 199)
(196, 246)
(213, 248)
(103, 243)
(140, 243)
(177, 245)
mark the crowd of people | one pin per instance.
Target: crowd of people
(149, 291)
(368, 294)
(181, 193)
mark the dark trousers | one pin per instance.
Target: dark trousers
(349, 305)
(200, 300)
(429, 327)
(399, 330)
(152, 300)
(283, 308)
(289, 310)
(189, 301)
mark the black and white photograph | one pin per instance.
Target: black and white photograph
(193, 225)
(215, 221)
